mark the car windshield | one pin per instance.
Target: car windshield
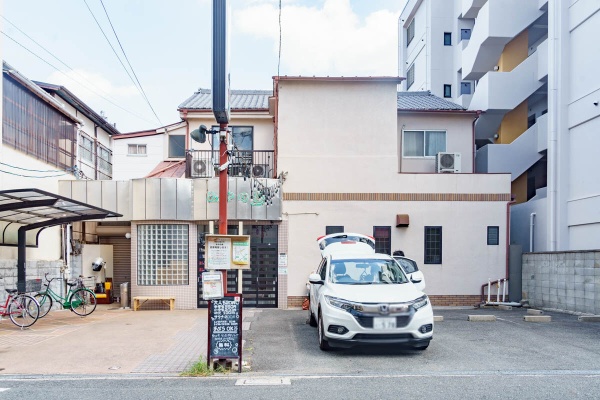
(409, 265)
(366, 272)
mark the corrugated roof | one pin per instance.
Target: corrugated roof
(168, 169)
(239, 100)
(425, 101)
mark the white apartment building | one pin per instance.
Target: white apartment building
(529, 67)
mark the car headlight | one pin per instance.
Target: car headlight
(343, 304)
(420, 302)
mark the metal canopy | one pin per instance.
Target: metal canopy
(24, 210)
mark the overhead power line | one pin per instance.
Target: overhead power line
(139, 87)
(73, 79)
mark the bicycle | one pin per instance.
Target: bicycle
(22, 309)
(79, 299)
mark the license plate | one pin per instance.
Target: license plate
(384, 323)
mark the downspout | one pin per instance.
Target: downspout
(510, 203)
(187, 135)
(95, 152)
(276, 124)
(531, 232)
(473, 139)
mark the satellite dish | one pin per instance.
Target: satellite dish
(199, 135)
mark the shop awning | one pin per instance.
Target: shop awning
(24, 213)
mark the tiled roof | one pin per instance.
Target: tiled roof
(239, 100)
(423, 101)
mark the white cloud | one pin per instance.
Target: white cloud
(328, 40)
(90, 84)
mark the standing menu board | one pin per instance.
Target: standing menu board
(225, 328)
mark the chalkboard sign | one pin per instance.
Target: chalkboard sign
(225, 327)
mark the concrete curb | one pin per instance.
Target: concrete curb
(537, 318)
(482, 318)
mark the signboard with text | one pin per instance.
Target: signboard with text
(225, 328)
(227, 252)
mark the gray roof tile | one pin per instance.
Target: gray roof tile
(423, 101)
(240, 100)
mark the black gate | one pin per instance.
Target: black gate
(260, 281)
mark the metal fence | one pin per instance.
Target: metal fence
(243, 163)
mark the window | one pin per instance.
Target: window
(433, 245)
(136, 149)
(383, 239)
(87, 148)
(493, 235)
(176, 146)
(322, 270)
(410, 76)
(530, 121)
(162, 255)
(465, 34)
(447, 38)
(447, 90)
(333, 229)
(465, 88)
(410, 32)
(104, 159)
(423, 143)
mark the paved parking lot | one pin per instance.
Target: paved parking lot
(281, 342)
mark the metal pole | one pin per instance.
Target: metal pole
(223, 189)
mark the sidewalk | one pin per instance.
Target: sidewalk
(109, 341)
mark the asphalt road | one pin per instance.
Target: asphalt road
(506, 359)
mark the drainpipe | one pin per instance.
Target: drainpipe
(473, 138)
(510, 203)
(531, 226)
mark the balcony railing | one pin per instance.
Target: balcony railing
(242, 163)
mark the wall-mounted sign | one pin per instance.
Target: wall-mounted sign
(227, 252)
(282, 260)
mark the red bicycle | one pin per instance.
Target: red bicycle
(22, 309)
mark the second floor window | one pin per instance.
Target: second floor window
(423, 143)
(87, 148)
(176, 146)
(447, 38)
(136, 149)
(104, 159)
(242, 137)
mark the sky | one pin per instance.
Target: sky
(167, 43)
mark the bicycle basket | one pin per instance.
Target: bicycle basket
(33, 285)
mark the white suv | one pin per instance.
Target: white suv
(360, 297)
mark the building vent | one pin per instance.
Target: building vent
(202, 168)
(447, 163)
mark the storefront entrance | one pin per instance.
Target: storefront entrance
(259, 283)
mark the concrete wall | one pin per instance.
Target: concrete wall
(563, 280)
(34, 269)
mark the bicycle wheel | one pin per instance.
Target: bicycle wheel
(83, 302)
(23, 310)
(45, 302)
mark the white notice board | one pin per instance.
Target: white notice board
(218, 255)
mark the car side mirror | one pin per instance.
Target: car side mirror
(413, 280)
(315, 279)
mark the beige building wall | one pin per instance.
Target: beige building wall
(457, 127)
(339, 150)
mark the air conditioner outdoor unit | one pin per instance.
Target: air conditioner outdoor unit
(260, 170)
(447, 163)
(202, 168)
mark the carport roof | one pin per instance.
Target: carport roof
(37, 209)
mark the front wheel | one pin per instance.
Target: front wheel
(23, 310)
(83, 302)
(45, 303)
(323, 343)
